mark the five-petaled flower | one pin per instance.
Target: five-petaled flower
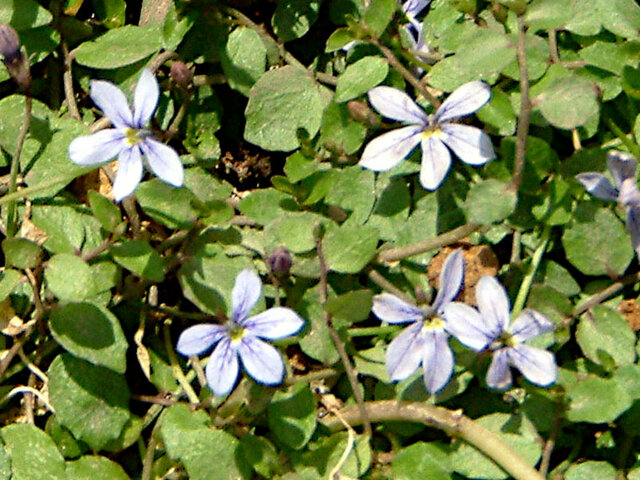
(435, 133)
(426, 341)
(239, 340)
(129, 140)
(623, 170)
(490, 327)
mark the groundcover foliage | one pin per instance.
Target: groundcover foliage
(306, 239)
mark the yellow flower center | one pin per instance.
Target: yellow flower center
(433, 323)
(432, 131)
(236, 332)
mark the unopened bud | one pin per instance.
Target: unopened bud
(280, 262)
(181, 74)
(13, 58)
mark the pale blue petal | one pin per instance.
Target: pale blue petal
(622, 166)
(245, 294)
(145, 99)
(493, 304)
(629, 195)
(261, 361)
(465, 100)
(273, 324)
(112, 102)
(530, 324)
(199, 338)
(537, 365)
(222, 367)
(97, 148)
(163, 161)
(633, 227)
(598, 185)
(499, 373)
(404, 353)
(436, 161)
(391, 309)
(396, 104)
(451, 279)
(466, 324)
(386, 151)
(129, 173)
(470, 144)
(413, 7)
(437, 361)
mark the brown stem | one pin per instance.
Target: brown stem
(553, 46)
(377, 278)
(67, 80)
(551, 442)
(604, 294)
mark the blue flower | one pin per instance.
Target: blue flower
(414, 29)
(435, 133)
(490, 327)
(239, 340)
(623, 170)
(426, 341)
(411, 8)
(129, 140)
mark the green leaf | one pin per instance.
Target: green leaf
(596, 400)
(69, 278)
(350, 307)
(378, 15)
(420, 461)
(67, 229)
(281, 102)
(21, 253)
(294, 231)
(328, 452)
(548, 14)
(261, 455)
(515, 430)
(9, 279)
(33, 454)
(605, 333)
(106, 212)
(348, 249)
(316, 342)
(353, 190)
(266, 205)
(113, 49)
(23, 14)
(568, 102)
(596, 242)
(92, 402)
(489, 202)
(361, 77)
(338, 132)
(179, 423)
(140, 258)
(168, 205)
(621, 17)
(498, 113)
(92, 333)
(91, 467)
(611, 56)
(591, 470)
(244, 59)
(558, 277)
(292, 415)
(585, 19)
(293, 18)
(110, 12)
(338, 39)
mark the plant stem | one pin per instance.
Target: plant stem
(617, 131)
(377, 278)
(525, 287)
(175, 366)
(453, 423)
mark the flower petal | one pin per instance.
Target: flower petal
(499, 373)
(622, 166)
(392, 309)
(629, 194)
(411, 8)
(404, 353)
(436, 161)
(465, 323)
(261, 361)
(386, 151)
(633, 227)
(245, 294)
(465, 100)
(145, 99)
(222, 367)
(275, 323)
(195, 340)
(129, 173)
(163, 161)
(112, 102)
(437, 361)
(530, 324)
(451, 279)
(493, 304)
(396, 104)
(598, 185)
(470, 144)
(96, 148)
(537, 365)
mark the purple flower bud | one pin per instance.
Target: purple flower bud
(9, 43)
(280, 261)
(181, 74)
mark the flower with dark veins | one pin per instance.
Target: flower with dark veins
(425, 342)
(489, 327)
(239, 340)
(129, 140)
(435, 133)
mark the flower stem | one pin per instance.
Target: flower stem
(178, 374)
(618, 132)
(525, 287)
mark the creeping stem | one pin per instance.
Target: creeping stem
(12, 221)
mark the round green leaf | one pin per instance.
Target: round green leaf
(69, 278)
(597, 400)
(348, 249)
(23, 14)
(590, 470)
(138, 257)
(420, 461)
(292, 415)
(244, 59)
(361, 77)
(21, 253)
(490, 201)
(91, 467)
(167, 205)
(568, 102)
(293, 18)
(92, 333)
(33, 454)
